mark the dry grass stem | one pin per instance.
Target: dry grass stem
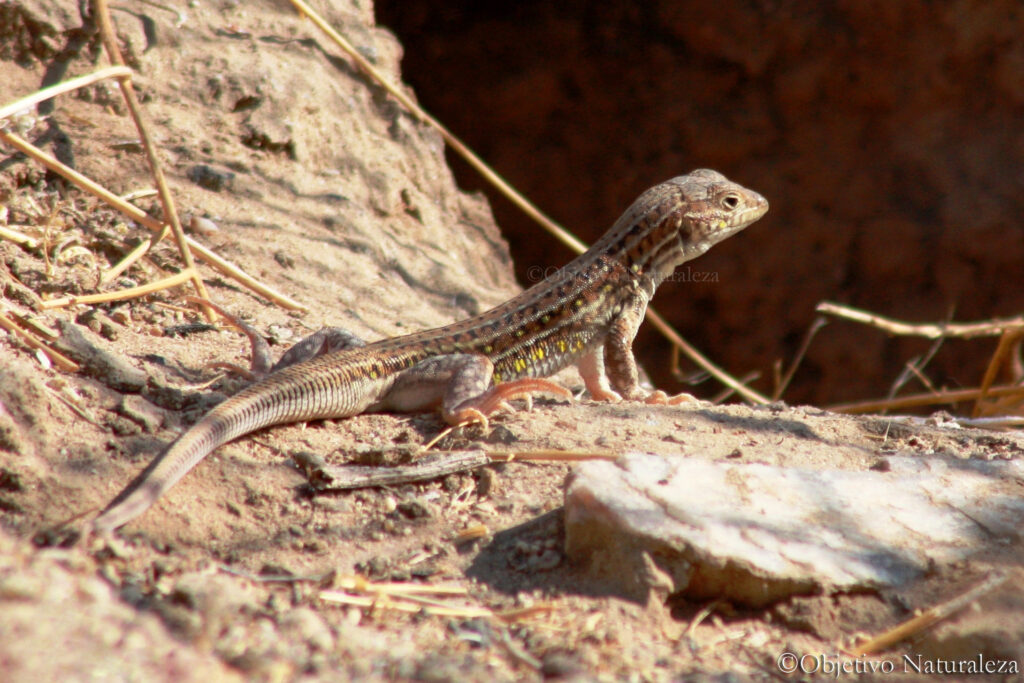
(440, 435)
(121, 294)
(783, 381)
(401, 588)
(138, 194)
(725, 393)
(124, 264)
(551, 455)
(405, 605)
(34, 326)
(1007, 355)
(222, 265)
(57, 358)
(102, 13)
(18, 238)
(1010, 331)
(917, 400)
(408, 597)
(525, 205)
(472, 533)
(929, 617)
(63, 87)
(72, 406)
(987, 328)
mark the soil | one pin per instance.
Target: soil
(318, 184)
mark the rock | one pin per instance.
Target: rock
(142, 412)
(211, 178)
(97, 362)
(755, 534)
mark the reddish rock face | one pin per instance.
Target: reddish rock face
(886, 136)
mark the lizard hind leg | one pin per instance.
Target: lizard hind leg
(461, 383)
(471, 398)
(477, 408)
(324, 341)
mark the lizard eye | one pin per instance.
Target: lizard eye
(730, 201)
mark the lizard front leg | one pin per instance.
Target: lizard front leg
(461, 384)
(591, 369)
(610, 372)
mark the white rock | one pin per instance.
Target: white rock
(755, 534)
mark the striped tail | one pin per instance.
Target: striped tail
(284, 397)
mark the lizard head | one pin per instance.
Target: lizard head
(712, 209)
(679, 220)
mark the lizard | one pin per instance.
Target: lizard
(586, 314)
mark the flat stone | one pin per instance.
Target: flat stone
(97, 360)
(755, 534)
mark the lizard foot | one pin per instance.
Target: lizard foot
(604, 395)
(660, 398)
(476, 410)
(245, 373)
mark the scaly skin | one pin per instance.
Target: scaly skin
(587, 314)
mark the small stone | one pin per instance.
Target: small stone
(210, 178)
(203, 226)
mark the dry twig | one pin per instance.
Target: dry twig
(1010, 331)
(142, 218)
(929, 399)
(987, 328)
(929, 617)
(326, 477)
(102, 13)
(56, 357)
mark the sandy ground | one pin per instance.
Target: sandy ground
(325, 190)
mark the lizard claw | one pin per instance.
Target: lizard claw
(604, 395)
(660, 398)
(469, 416)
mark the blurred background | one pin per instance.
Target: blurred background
(888, 137)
